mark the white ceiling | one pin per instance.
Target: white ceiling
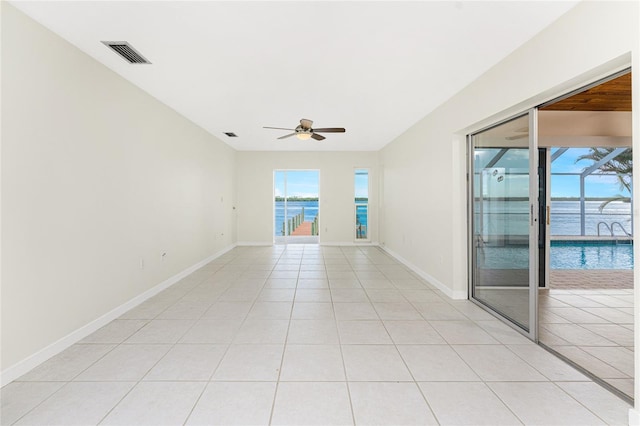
(375, 68)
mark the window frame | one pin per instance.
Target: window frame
(356, 204)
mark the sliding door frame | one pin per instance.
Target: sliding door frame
(287, 239)
(532, 114)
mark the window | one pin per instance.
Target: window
(590, 191)
(361, 204)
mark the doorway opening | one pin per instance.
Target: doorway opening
(296, 205)
(551, 229)
(586, 306)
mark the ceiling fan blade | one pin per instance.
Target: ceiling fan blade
(513, 138)
(277, 128)
(287, 136)
(317, 136)
(306, 124)
(330, 130)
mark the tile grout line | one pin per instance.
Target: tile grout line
(115, 346)
(137, 382)
(344, 364)
(351, 260)
(219, 361)
(415, 382)
(228, 285)
(284, 347)
(162, 357)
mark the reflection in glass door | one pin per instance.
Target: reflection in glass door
(296, 206)
(503, 200)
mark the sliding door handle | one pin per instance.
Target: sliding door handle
(548, 215)
(531, 215)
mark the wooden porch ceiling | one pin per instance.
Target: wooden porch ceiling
(613, 95)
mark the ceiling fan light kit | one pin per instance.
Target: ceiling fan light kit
(304, 131)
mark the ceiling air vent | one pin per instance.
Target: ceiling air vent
(125, 50)
(231, 134)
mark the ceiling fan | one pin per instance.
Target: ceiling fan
(304, 131)
(524, 130)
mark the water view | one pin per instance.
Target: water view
(294, 208)
(565, 218)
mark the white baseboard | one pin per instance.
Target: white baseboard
(456, 295)
(350, 244)
(22, 367)
(253, 244)
(634, 417)
(335, 244)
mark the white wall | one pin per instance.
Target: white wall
(593, 40)
(96, 175)
(427, 163)
(255, 192)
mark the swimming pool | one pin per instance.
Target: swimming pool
(581, 254)
(565, 254)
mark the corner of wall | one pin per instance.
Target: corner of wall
(452, 293)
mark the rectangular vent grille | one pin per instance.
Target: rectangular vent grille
(127, 52)
(231, 134)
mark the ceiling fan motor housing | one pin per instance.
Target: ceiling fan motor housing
(304, 131)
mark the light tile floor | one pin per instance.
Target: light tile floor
(593, 328)
(303, 334)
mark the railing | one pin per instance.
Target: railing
(606, 225)
(621, 227)
(361, 231)
(294, 222)
(610, 228)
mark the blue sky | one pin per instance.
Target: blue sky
(300, 183)
(305, 183)
(569, 186)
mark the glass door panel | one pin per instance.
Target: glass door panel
(362, 215)
(504, 191)
(279, 202)
(361, 190)
(296, 206)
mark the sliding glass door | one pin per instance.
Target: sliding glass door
(296, 206)
(503, 221)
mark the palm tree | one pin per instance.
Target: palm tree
(621, 165)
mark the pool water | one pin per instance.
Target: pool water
(591, 255)
(578, 254)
